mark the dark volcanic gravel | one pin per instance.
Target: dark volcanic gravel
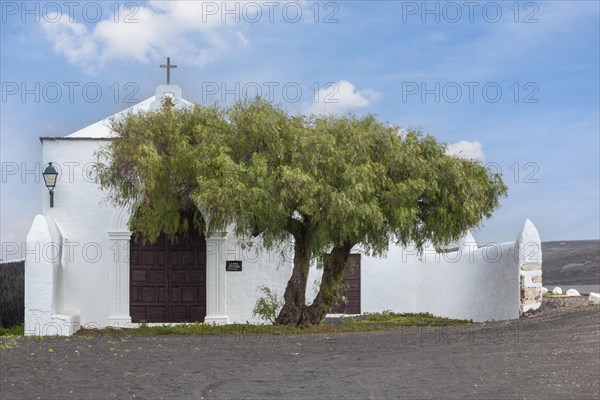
(554, 354)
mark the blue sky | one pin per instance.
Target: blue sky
(514, 84)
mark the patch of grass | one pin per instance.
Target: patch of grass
(8, 343)
(15, 330)
(412, 319)
(192, 329)
(367, 323)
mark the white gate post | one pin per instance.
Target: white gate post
(118, 278)
(216, 310)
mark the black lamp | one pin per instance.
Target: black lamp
(50, 174)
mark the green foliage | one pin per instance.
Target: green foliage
(8, 336)
(8, 343)
(383, 316)
(373, 322)
(153, 164)
(343, 178)
(15, 330)
(267, 307)
(191, 329)
(413, 319)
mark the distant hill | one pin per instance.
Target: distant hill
(574, 262)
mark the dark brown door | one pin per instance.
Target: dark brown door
(168, 280)
(352, 280)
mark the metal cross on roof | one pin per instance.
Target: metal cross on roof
(168, 66)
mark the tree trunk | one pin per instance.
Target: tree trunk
(331, 284)
(294, 307)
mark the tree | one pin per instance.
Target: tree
(328, 183)
(379, 185)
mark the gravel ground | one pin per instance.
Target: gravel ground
(554, 354)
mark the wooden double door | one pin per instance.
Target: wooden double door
(168, 280)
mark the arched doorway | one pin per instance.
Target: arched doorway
(168, 279)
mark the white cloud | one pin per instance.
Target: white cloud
(72, 40)
(339, 98)
(183, 30)
(466, 149)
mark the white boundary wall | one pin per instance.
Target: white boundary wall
(472, 283)
(479, 283)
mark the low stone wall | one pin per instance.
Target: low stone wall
(565, 302)
(12, 293)
(531, 287)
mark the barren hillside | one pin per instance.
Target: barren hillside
(575, 262)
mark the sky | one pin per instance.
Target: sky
(512, 84)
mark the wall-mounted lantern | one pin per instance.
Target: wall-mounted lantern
(50, 174)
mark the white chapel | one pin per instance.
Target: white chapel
(83, 267)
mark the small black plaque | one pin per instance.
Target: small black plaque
(233, 265)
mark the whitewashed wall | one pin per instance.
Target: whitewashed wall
(467, 284)
(259, 268)
(478, 283)
(44, 284)
(82, 276)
